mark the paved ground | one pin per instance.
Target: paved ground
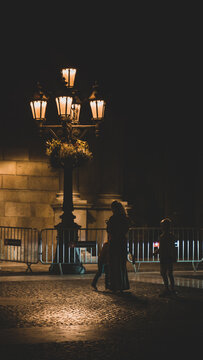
(54, 317)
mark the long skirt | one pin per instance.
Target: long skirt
(118, 271)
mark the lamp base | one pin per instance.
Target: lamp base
(62, 269)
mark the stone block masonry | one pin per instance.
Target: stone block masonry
(31, 191)
(28, 187)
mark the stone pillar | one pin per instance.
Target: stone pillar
(99, 212)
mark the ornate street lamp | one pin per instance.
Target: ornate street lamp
(65, 137)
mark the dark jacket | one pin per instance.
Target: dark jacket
(167, 250)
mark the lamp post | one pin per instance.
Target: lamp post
(68, 130)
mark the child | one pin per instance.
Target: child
(167, 252)
(102, 266)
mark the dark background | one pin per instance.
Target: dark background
(147, 62)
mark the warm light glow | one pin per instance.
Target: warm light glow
(38, 109)
(75, 113)
(64, 105)
(69, 76)
(97, 107)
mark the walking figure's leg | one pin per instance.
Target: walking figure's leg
(163, 272)
(107, 278)
(97, 276)
(171, 277)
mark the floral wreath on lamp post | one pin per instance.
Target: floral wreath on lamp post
(76, 152)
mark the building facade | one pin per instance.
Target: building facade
(31, 191)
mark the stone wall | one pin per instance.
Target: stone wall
(28, 187)
(31, 191)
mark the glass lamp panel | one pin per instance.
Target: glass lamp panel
(43, 109)
(58, 106)
(33, 110)
(93, 108)
(75, 113)
(69, 76)
(100, 108)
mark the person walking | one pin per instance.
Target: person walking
(103, 266)
(168, 257)
(117, 228)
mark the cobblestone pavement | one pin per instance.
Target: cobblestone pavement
(50, 318)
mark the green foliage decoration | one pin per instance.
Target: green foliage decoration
(76, 152)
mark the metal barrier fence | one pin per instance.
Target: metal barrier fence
(142, 243)
(71, 247)
(48, 246)
(19, 245)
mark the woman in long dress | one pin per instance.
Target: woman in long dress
(117, 228)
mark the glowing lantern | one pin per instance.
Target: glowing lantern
(38, 105)
(64, 106)
(75, 109)
(69, 76)
(75, 113)
(97, 104)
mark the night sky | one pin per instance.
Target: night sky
(148, 68)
